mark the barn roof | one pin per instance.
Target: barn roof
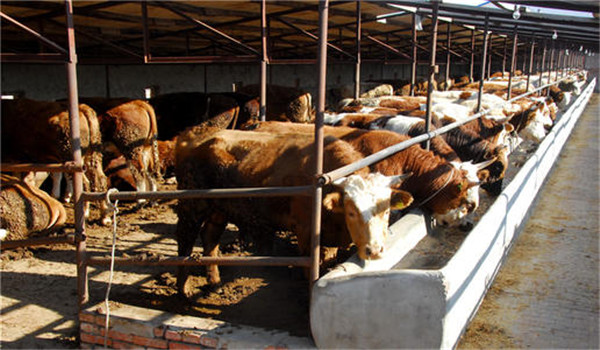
(230, 31)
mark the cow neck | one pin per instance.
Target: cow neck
(423, 202)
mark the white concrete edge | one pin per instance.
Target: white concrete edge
(472, 269)
(343, 301)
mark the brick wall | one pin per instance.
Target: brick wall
(138, 328)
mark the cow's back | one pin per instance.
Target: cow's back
(39, 131)
(232, 158)
(25, 209)
(285, 103)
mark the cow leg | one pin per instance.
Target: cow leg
(69, 188)
(56, 181)
(211, 233)
(191, 214)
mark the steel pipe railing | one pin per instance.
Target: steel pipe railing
(31, 242)
(204, 193)
(303, 261)
(67, 167)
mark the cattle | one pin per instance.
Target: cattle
(420, 88)
(379, 91)
(39, 132)
(26, 209)
(285, 103)
(411, 126)
(131, 126)
(448, 190)
(179, 110)
(562, 99)
(392, 104)
(356, 208)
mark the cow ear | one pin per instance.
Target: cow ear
(400, 199)
(508, 127)
(334, 202)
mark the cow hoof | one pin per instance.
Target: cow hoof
(216, 288)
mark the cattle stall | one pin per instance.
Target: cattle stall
(563, 64)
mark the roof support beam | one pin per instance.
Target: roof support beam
(311, 35)
(38, 36)
(388, 47)
(208, 27)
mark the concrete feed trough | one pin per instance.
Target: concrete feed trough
(372, 305)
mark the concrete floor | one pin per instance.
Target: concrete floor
(547, 293)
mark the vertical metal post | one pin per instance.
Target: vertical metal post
(433, 68)
(542, 63)
(263, 61)
(489, 67)
(483, 58)
(448, 40)
(413, 68)
(358, 57)
(146, 31)
(552, 64)
(504, 56)
(513, 58)
(530, 68)
(472, 62)
(559, 63)
(82, 283)
(318, 192)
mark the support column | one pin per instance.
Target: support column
(472, 61)
(513, 58)
(263, 61)
(483, 59)
(73, 98)
(146, 31)
(504, 56)
(413, 69)
(318, 190)
(433, 68)
(530, 68)
(448, 41)
(358, 57)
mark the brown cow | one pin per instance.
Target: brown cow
(26, 209)
(356, 209)
(446, 189)
(285, 103)
(131, 126)
(177, 111)
(39, 132)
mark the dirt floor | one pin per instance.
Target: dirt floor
(39, 297)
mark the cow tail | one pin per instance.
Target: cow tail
(154, 141)
(93, 157)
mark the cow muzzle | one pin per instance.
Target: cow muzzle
(372, 252)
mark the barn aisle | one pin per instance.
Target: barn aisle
(547, 293)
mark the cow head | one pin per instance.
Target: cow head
(461, 193)
(534, 129)
(366, 202)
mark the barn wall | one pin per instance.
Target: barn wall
(49, 82)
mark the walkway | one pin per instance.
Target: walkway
(547, 293)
